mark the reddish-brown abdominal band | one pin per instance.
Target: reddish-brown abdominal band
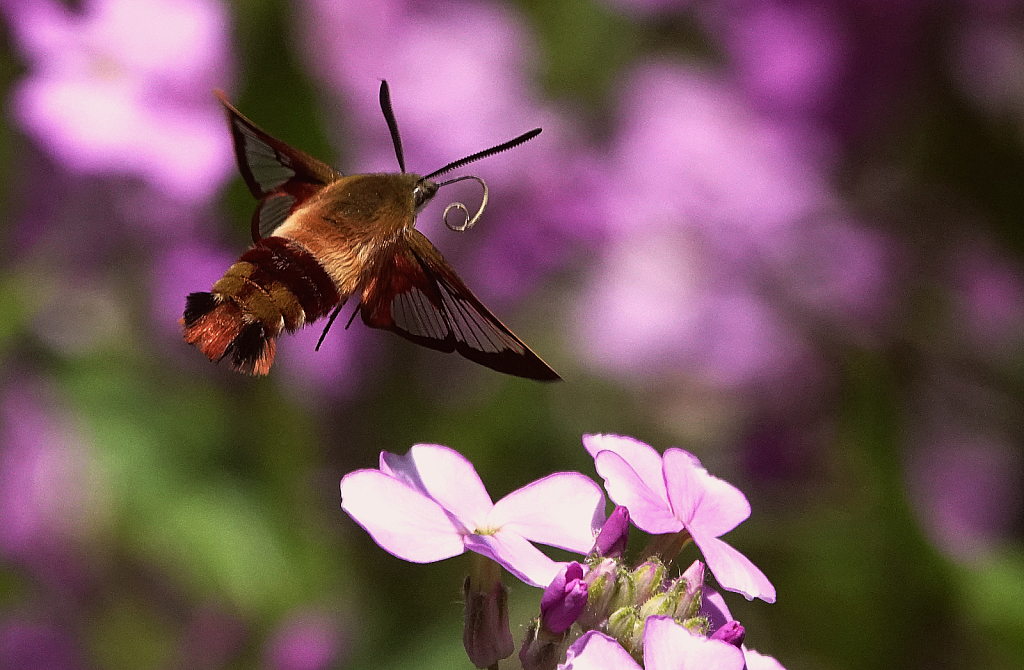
(275, 285)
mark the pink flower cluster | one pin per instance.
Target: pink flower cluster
(430, 505)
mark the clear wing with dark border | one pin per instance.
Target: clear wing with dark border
(415, 293)
(280, 176)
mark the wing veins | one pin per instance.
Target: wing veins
(464, 319)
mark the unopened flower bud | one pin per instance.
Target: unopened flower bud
(732, 632)
(689, 586)
(611, 541)
(660, 604)
(602, 583)
(486, 636)
(564, 599)
(648, 579)
(627, 626)
(625, 591)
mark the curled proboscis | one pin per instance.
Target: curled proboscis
(469, 221)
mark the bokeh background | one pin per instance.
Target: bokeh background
(783, 234)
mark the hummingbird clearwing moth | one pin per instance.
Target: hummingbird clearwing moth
(320, 237)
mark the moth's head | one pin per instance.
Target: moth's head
(423, 188)
(423, 192)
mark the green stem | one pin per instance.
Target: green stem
(483, 573)
(666, 547)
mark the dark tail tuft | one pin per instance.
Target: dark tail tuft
(252, 351)
(197, 305)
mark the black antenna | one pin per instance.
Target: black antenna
(482, 154)
(389, 116)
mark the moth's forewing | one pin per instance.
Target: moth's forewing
(415, 293)
(280, 176)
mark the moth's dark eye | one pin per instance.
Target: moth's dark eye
(423, 192)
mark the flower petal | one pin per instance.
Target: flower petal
(613, 537)
(597, 651)
(669, 646)
(648, 506)
(713, 607)
(403, 521)
(756, 661)
(516, 555)
(643, 458)
(704, 503)
(563, 510)
(733, 570)
(444, 475)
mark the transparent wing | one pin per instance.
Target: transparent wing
(281, 177)
(415, 293)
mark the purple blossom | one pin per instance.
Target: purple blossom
(732, 632)
(564, 599)
(787, 56)
(987, 58)
(430, 505)
(614, 534)
(123, 87)
(988, 294)
(837, 64)
(720, 214)
(966, 486)
(714, 609)
(602, 587)
(694, 591)
(667, 646)
(671, 493)
(48, 488)
(307, 640)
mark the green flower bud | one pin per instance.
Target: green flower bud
(626, 626)
(660, 604)
(648, 579)
(602, 583)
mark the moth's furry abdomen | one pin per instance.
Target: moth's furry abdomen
(276, 285)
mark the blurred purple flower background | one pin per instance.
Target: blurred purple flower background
(119, 87)
(784, 235)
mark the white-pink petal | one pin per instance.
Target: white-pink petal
(734, 571)
(756, 661)
(701, 501)
(648, 505)
(516, 555)
(597, 651)
(563, 510)
(714, 598)
(403, 521)
(669, 646)
(444, 475)
(643, 458)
